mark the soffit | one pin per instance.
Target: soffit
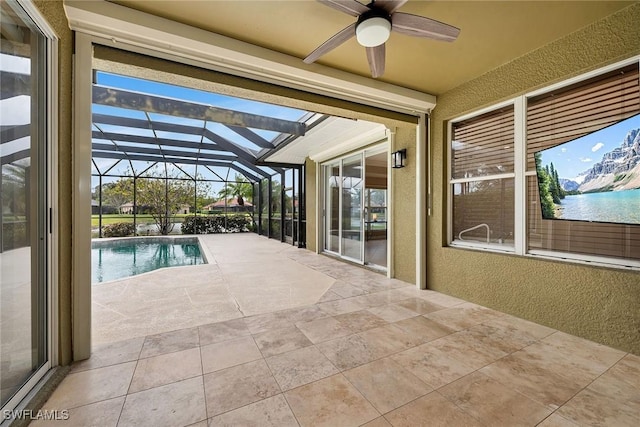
(493, 33)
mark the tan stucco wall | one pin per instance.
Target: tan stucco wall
(55, 16)
(403, 203)
(310, 204)
(596, 303)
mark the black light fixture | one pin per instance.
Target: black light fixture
(399, 158)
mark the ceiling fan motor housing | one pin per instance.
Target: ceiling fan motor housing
(373, 27)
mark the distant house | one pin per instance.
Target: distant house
(95, 207)
(231, 205)
(127, 208)
(184, 209)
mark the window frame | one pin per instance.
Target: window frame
(520, 175)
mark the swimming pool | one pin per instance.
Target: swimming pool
(118, 258)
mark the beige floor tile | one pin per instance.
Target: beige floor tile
(386, 384)
(389, 338)
(279, 341)
(222, 331)
(304, 314)
(463, 316)
(300, 367)
(94, 385)
(433, 365)
(349, 352)
(477, 350)
(329, 296)
(100, 414)
(165, 369)
(273, 411)
(324, 329)
(225, 354)
(419, 305)
(238, 386)
(330, 402)
(535, 379)
(176, 404)
(392, 312)
(596, 409)
(432, 410)
(622, 380)
(361, 320)
(487, 400)
(267, 322)
(168, 342)
(111, 354)
(346, 290)
(378, 422)
(341, 306)
(555, 420)
(439, 298)
(528, 329)
(422, 330)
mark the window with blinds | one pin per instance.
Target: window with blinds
(482, 178)
(564, 115)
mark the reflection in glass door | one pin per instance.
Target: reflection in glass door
(332, 208)
(23, 222)
(352, 228)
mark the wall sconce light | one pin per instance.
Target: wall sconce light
(399, 158)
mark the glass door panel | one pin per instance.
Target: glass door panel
(23, 226)
(332, 208)
(352, 188)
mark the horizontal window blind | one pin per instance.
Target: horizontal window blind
(562, 116)
(483, 145)
(571, 112)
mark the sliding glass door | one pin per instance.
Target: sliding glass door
(343, 208)
(24, 289)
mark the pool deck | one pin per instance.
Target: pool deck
(268, 334)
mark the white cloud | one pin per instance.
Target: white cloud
(586, 159)
(563, 149)
(596, 147)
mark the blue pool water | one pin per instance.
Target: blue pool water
(612, 206)
(116, 259)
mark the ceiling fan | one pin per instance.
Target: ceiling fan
(375, 22)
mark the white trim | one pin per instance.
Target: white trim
(81, 254)
(492, 247)
(391, 133)
(482, 111)
(586, 259)
(124, 25)
(449, 192)
(520, 182)
(482, 178)
(421, 161)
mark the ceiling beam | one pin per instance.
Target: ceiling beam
(111, 136)
(250, 135)
(146, 158)
(157, 152)
(156, 104)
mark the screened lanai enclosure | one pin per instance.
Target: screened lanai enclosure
(169, 159)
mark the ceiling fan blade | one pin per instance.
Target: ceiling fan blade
(375, 57)
(390, 6)
(419, 26)
(350, 7)
(332, 43)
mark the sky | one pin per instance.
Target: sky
(186, 94)
(577, 156)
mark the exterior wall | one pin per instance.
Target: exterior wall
(596, 303)
(403, 203)
(55, 16)
(310, 204)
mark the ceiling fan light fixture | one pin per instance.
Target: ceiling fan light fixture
(373, 31)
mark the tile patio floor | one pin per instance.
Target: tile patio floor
(370, 351)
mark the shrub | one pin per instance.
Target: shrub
(14, 235)
(118, 229)
(216, 224)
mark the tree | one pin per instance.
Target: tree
(163, 197)
(118, 193)
(14, 194)
(546, 200)
(240, 188)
